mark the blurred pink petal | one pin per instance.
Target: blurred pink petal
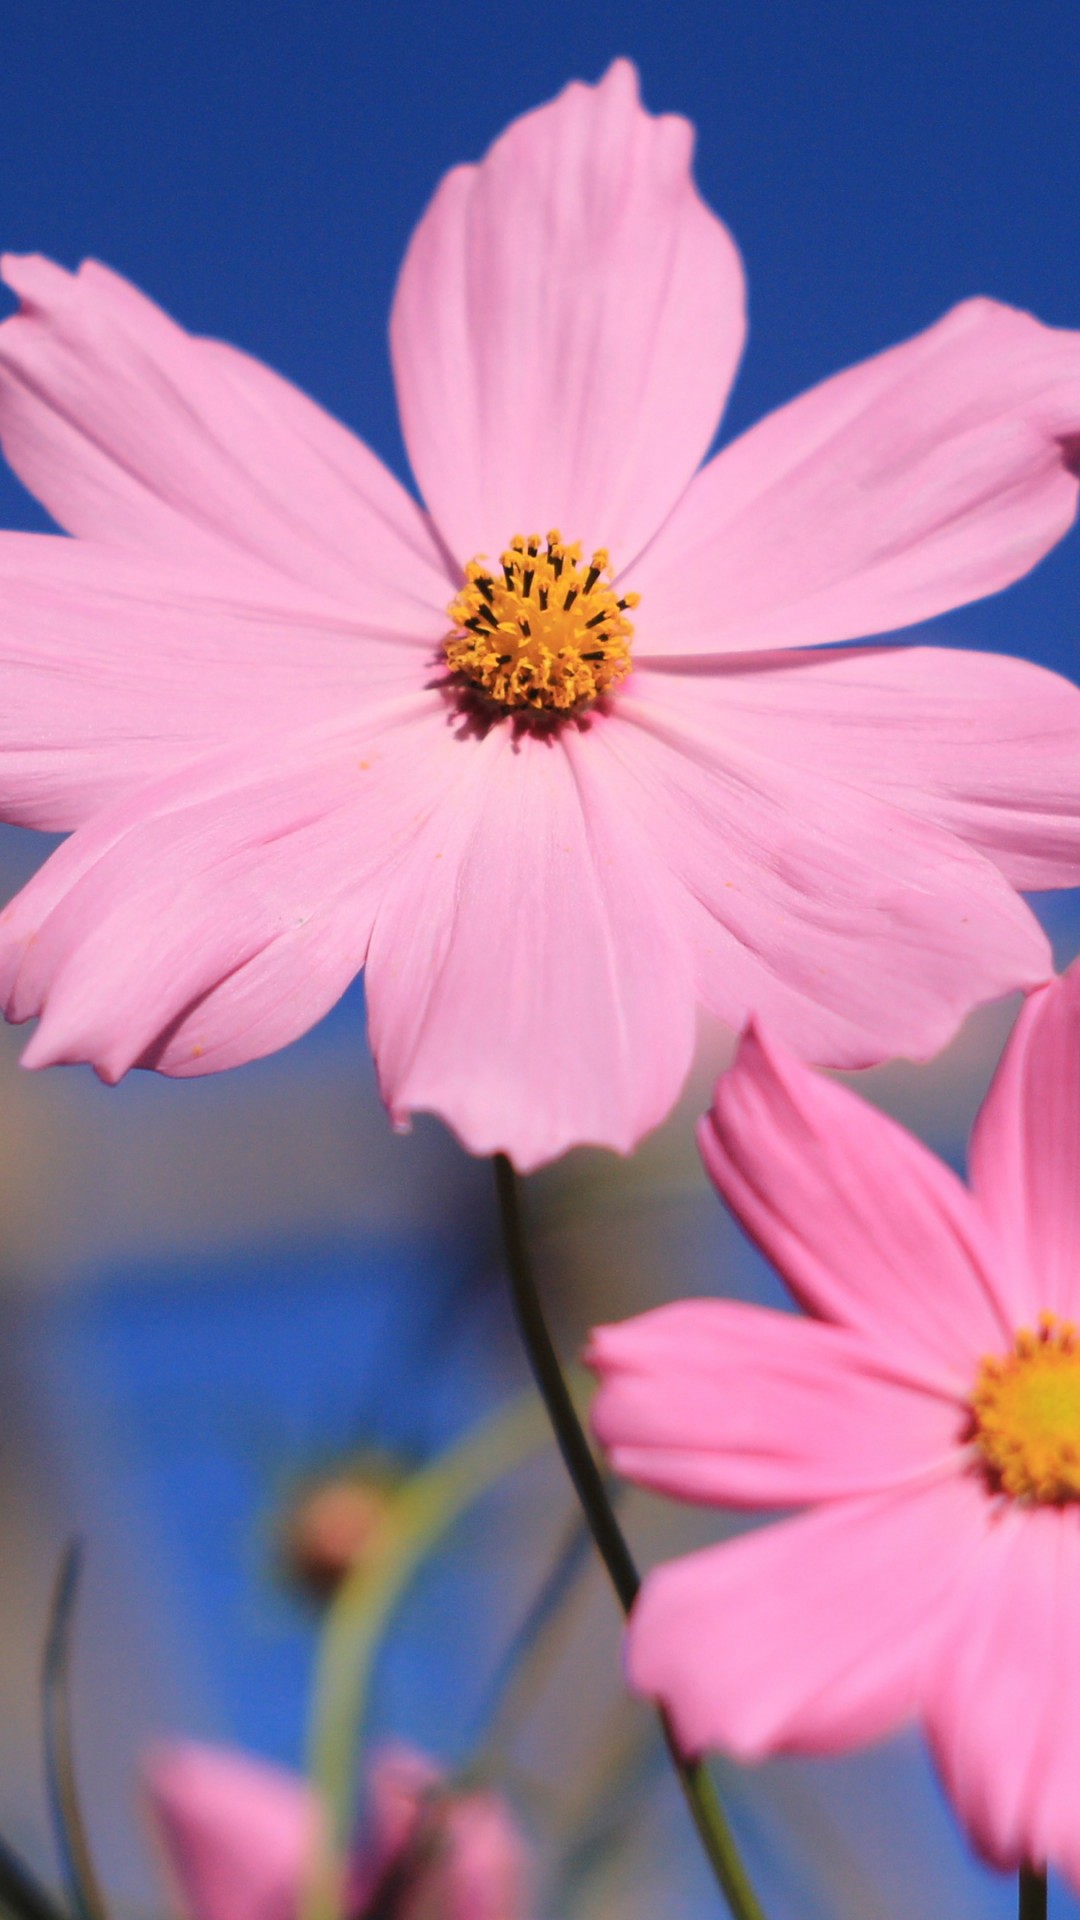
(1025, 1152)
(811, 1636)
(936, 1577)
(237, 1833)
(849, 926)
(252, 599)
(868, 1228)
(471, 1860)
(1003, 1693)
(239, 1836)
(566, 327)
(715, 1401)
(928, 476)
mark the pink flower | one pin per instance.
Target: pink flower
(239, 1834)
(300, 725)
(928, 1414)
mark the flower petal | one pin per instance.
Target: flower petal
(983, 745)
(713, 1400)
(1003, 1696)
(809, 1636)
(524, 981)
(218, 914)
(867, 1227)
(1025, 1154)
(566, 327)
(854, 930)
(926, 477)
(134, 433)
(116, 668)
(471, 1861)
(237, 1833)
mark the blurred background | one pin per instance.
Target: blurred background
(215, 1296)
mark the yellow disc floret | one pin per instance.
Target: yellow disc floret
(1026, 1410)
(542, 630)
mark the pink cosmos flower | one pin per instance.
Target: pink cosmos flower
(301, 724)
(928, 1414)
(239, 1834)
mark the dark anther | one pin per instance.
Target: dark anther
(525, 628)
(591, 578)
(570, 598)
(475, 626)
(486, 614)
(527, 586)
(543, 598)
(623, 604)
(485, 588)
(508, 576)
(596, 619)
(594, 656)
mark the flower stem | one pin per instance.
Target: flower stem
(1032, 1894)
(588, 1482)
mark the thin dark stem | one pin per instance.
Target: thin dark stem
(21, 1894)
(697, 1786)
(575, 1449)
(1032, 1894)
(83, 1889)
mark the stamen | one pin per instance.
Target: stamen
(541, 659)
(1026, 1414)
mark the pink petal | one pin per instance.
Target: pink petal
(868, 1229)
(215, 916)
(980, 744)
(1003, 1695)
(236, 1832)
(809, 1636)
(524, 980)
(134, 433)
(1025, 1155)
(116, 668)
(401, 1778)
(926, 477)
(715, 1401)
(479, 1866)
(566, 327)
(854, 930)
(486, 1872)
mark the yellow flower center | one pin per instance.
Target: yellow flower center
(1026, 1409)
(541, 630)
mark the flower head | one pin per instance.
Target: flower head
(927, 1413)
(552, 757)
(239, 1837)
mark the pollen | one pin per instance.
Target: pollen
(1026, 1413)
(543, 630)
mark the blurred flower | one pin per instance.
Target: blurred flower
(301, 726)
(239, 1836)
(929, 1413)
(332, 1525)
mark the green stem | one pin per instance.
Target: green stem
(419, 1515)
(1032, 1894)
(588, 1482)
